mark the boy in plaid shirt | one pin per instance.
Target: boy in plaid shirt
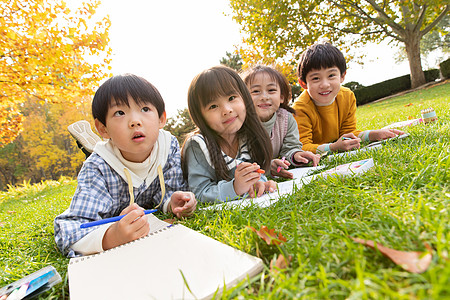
(129, 114)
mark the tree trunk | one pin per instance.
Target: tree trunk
(412, 45)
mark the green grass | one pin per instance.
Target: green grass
(403, 203)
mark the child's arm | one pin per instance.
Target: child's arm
(202, 179)
(260, 187)
(305, 129)
(308, 124)
(278, 167)
(304, 157)
(92, 201)
(183, 204)
(347, 106)
(382, 134)
(245, 176)
(346, 142)
(131, 227)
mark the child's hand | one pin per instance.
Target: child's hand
(131, 227)
(183, 204)
(346, 142)
(278, 168)
(306, 157)
(260, 188)
(245, 177)
(382, 134)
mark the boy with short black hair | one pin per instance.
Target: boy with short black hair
(129, 114)
(326, 111)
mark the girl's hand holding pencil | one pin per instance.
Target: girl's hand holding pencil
(278, 167)
(245, 176)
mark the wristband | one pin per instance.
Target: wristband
(326, 148)
(365, 137)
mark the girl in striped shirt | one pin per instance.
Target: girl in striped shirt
(226, 157)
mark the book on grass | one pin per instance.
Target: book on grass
(300, 177)
(353, 168)
(304, 171)
(354, 152)
(32, 285)
(171, 262)
(400, 124)
(371, 146)
(398, 137)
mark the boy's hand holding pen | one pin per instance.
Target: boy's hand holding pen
(346, 142)
(131, 227)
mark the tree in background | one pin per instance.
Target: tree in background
(44, 149)
(284, 28)
(236, 62)
(180, 125)
(44, 50)
(233, 61)
(436, 41)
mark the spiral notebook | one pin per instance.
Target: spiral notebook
(172, 262)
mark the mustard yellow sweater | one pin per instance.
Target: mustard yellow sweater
(319, 125)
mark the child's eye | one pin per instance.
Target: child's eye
(272, 90)
(119, 113)
(315, 78)
(146, 109)
(231, 98)
(212, 106)
(255, 91)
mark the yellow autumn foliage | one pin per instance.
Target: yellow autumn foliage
(47, 51)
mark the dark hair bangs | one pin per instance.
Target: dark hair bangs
(214, 84)
(324, 59)
(321, 56)
(117, 89)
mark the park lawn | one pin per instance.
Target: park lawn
(402, 203)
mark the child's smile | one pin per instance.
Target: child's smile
(323, 85)
(265, 95)
(225, 115)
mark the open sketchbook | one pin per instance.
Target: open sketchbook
(300, 178)
(172, 262)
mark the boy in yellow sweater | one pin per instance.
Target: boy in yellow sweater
(325, 111)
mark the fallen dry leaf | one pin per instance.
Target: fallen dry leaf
(411, 261)
(409, 104)
(280, 263)
(170, 221)
(269, 236)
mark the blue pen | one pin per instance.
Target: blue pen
(345, 138)
(113, 219)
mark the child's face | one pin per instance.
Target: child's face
(266, 95)
(134, 130)
(225, 115)
(323, 85)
